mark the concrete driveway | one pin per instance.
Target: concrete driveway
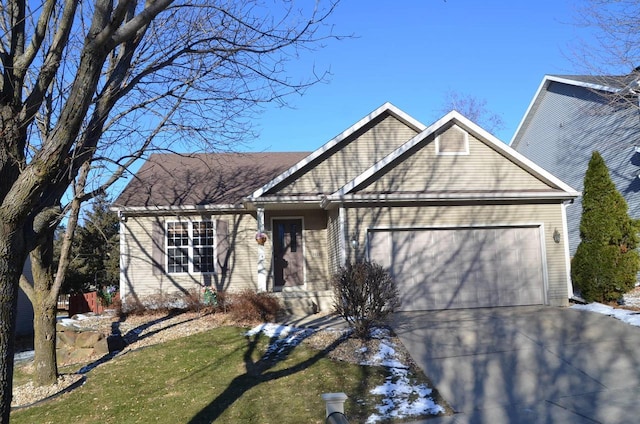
(527, 364)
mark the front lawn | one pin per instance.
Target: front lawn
(220, 375)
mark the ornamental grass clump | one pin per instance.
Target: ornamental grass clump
(249, 306)
(365, 295)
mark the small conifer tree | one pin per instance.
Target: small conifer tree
(606, 262)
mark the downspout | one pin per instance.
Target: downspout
(342, 240)
(567, 253)
(123, 258)
(262, 269)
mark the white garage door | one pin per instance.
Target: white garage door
(462, 268)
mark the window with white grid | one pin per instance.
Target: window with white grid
(190, 247)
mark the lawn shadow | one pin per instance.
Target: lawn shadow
(133, 335)
(257, 372)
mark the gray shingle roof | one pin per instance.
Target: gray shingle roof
(170, 179)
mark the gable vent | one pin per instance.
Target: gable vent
(454, 141)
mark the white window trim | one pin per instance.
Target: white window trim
(190, 247)
(466, 143)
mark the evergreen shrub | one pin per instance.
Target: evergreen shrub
(606, 262)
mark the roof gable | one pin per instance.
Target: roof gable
(337, 144)
(530, 176)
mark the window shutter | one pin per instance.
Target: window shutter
(222, 246)
(157, 248)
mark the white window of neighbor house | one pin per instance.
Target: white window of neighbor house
(190, 247)
(454, 141)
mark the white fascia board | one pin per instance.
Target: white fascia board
(387, 107)
(536, 98)
(284, 199)
(439, 197)
(395, 154)
(543, 86)
(589, 85)
(188, 208)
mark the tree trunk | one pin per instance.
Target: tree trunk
(44, 342)
(44, 307)
(12, 257)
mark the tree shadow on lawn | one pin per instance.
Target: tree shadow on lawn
(257, 372)
(133, 336)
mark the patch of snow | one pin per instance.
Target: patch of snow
(632, 298)
(80, 317)
(401, 397)
(283, 337)
(379, 333)
(27, 355)
(624, 315)
(271, 330)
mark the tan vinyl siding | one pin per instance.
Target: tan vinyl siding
(548, 215)
(483, 169)
(314, 235)
(139, 280)
(353, 158)
(333, 239)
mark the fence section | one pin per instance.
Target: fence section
(80, 303)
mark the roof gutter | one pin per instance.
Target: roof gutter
(250, 203)
(153, 210)
(440, 197)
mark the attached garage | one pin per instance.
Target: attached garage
(445, 268)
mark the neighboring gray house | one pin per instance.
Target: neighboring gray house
(571, 116)
(459, 218)
(24, 319)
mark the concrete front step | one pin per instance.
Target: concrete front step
(305, 302)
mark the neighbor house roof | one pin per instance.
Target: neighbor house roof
(600, 82)
(199, 181)
(619, 84)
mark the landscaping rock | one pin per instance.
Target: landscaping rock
(88, 339)
(76, 344)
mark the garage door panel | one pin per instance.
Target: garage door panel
(402, 243)
(379, 243)
(463, 268)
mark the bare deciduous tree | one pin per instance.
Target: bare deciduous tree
(610, 53)
(613, 46)
(88, 87)
(473, 108)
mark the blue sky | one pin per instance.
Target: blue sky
(411, 52)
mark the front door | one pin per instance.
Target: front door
(288, 258)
